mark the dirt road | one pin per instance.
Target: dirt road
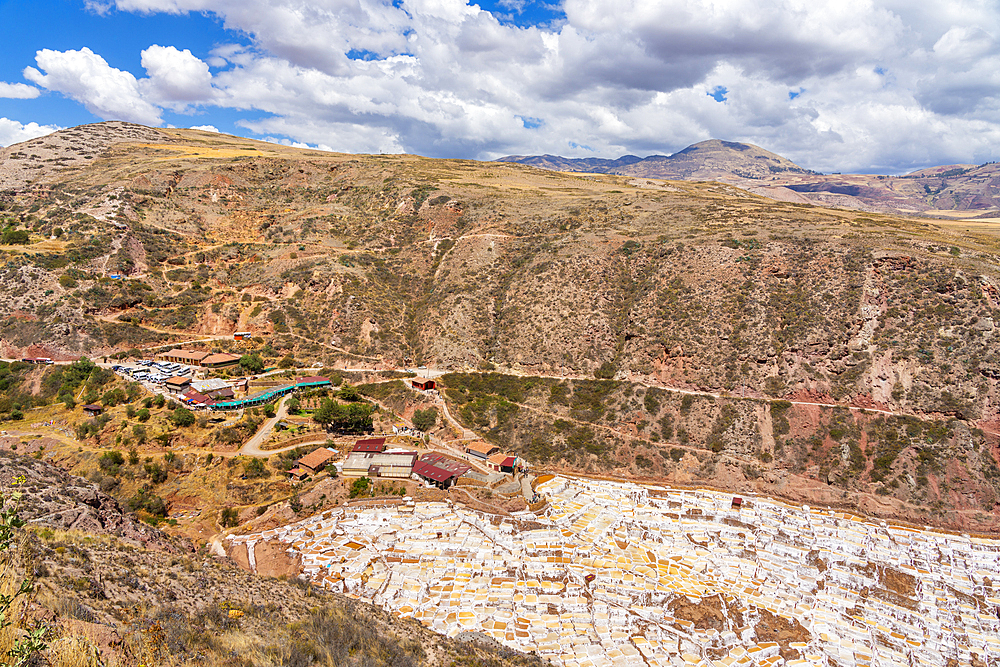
(252, 446)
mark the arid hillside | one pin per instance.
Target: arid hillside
(113, 592)
(650, 286)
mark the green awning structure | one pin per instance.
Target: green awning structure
(266, 397)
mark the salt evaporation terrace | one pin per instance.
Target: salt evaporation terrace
(681, 578)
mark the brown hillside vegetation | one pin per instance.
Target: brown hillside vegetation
(599, 296)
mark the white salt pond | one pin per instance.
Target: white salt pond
(622, 574)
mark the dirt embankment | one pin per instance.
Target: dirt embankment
(271, 559)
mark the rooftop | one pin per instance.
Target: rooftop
(504, 460)
(439, 468)
(209, 385)
(196, 397)
(190, 355)
(220, 358)
(359, 460)
(316, 458)
(483, 448)
(369, 445)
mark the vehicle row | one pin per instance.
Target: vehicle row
(156, 372)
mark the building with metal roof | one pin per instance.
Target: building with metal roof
(369, 445)
(260, 398)
(439, 470)
(209, 385)
(397, 464)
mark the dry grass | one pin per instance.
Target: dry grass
(199, 152)
(74, 651)
(10, 581)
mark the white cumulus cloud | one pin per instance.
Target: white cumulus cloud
(18, 91)
(86, 77)
(843, 85)
(175, 78)
(13, 132)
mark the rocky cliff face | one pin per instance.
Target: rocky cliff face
(56, 499)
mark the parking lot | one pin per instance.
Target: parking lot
(152, 374)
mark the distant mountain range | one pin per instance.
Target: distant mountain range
(941, 189)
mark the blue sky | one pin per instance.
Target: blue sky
(847, 85)
(118, 36)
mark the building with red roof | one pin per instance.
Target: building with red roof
(502, 463)
(196, 398)
(439, 470)
(316, 460)
(369, 446)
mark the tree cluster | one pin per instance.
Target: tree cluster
(350, 418)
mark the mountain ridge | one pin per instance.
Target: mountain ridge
(690, 158)
(929, 190)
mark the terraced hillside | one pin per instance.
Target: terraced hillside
(644, 285)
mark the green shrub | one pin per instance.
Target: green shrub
(255, 468)
(146, 500)
(182, 417)
(229, 517)
(559, 394)
(360, 487)
(606, 371)
(424, 420)
(111, 462)
(157, 474)
(12, 236)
